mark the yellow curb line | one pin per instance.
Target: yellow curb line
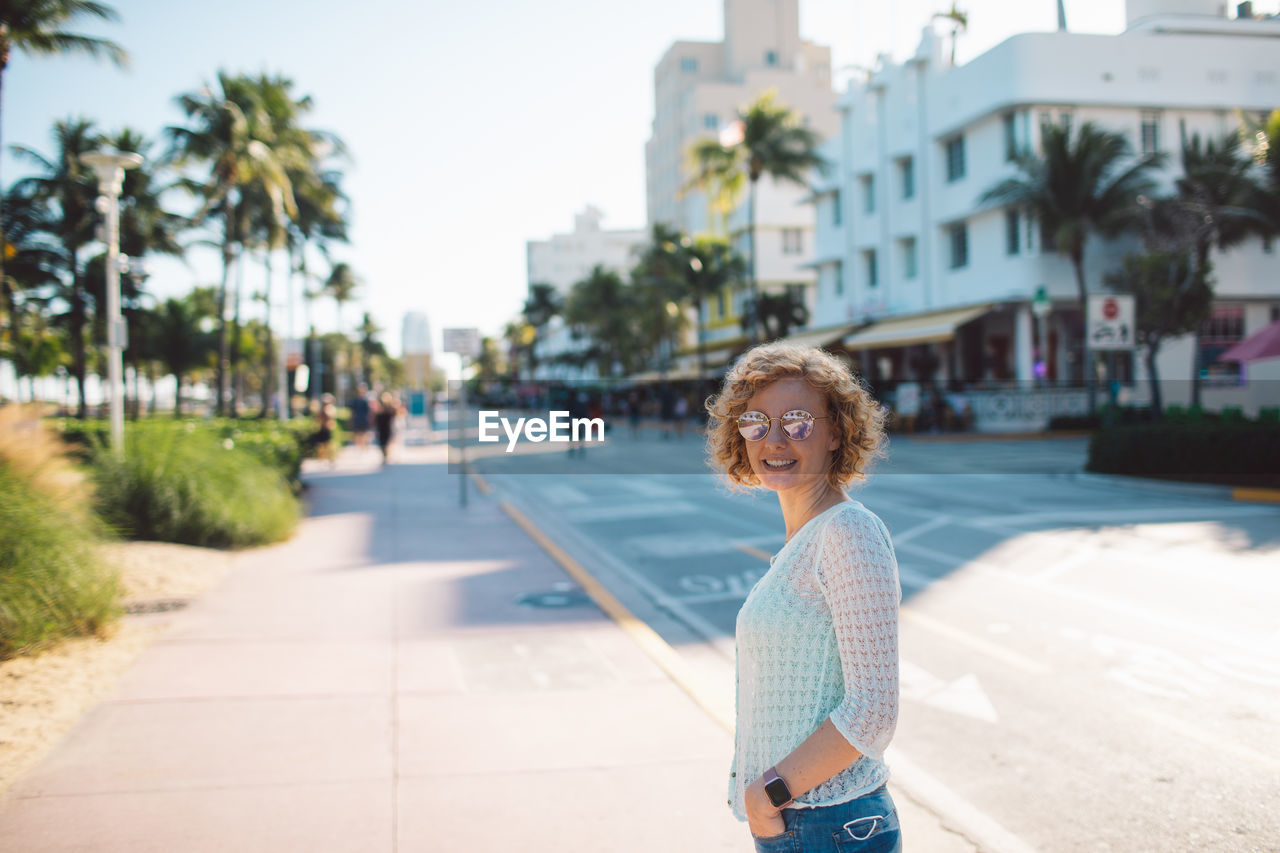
(482, 484)
(1263, 495)
(644, 636)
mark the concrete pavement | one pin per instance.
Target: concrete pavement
(404, 674)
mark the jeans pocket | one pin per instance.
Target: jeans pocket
(784, 843)
(871, 834)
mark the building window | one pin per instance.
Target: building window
(710, 121)
(909, 262)
(907, 175)
(792, 241)
(1010, 137)
(836, 217)
(1150, 132)
(1012, 232)
(955, 159)
(959, 244)
(873, 271)
(868, 193)
(1223, 330)
(689, 65)
(838, 279)
(771, 58)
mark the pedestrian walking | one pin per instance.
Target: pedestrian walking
(817, 638)
(361, 416)
(384, 423)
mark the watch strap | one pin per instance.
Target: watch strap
(776, 789)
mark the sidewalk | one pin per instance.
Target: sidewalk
(375, 684)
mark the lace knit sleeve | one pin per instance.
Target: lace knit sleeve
(858, 574)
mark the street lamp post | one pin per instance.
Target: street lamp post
(110, 167)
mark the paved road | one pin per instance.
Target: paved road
(1090, 666)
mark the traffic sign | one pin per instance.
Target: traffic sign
(464, 342)
(1111, 322)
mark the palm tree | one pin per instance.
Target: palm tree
(597, 308)
(229, 130)
(1212, 208)
(65, 186)
(1075, 187)
(341, 287)
(959, 23)
(35, 27)
(773, 142)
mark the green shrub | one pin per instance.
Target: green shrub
(52, 582)
(282, 445)
(188, 486)
(1226, 450)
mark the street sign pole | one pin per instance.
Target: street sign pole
(466, 344)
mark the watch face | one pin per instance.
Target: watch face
(778, 793)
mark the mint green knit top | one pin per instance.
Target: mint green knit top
(818, 637)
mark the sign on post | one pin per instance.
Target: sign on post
(1111, 323)
(464, 342)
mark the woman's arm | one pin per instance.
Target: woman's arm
(822, 755)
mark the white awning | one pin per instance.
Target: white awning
(820, 338)
(914, 328)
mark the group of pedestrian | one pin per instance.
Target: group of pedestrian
(370, 413)
(377, 413)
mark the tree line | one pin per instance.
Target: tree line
(254, 182)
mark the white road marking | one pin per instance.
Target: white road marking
(1190, 732)
(912, 532)
(650, 489)
(623, 512)
(562, 494)
(1117, 516)
(978, 644)
(964, 696)
(1099, 602)
(955, 812)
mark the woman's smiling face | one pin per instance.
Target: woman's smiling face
(783, 463)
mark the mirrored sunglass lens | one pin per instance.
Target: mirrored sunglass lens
(753, 426)
(797, 425)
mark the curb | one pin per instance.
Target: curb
(1174, 488)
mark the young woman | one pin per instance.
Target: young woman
(817, 638)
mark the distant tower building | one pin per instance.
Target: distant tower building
(416, 349)
(699, 87)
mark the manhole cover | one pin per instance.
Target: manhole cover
(155, 605)
(561, 595)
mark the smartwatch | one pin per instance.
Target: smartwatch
(775, 788)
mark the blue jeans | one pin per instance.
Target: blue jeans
(868, 824)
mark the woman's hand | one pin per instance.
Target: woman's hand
(764, 820)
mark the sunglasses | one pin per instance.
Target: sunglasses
(797, 424)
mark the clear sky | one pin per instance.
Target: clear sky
(473, 126)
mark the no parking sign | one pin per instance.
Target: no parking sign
(1111, 322)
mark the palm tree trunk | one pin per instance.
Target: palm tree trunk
(223, 391)
(10, 326)
(78, 365)
(269, 385)
(177, 395)
(702, 343)
(1202, 259)
(1086, 354)
(237, 375)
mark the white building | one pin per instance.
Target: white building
(565, 259)
(946, 283)
(699, 87)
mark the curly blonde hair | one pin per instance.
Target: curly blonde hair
(857, 418)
